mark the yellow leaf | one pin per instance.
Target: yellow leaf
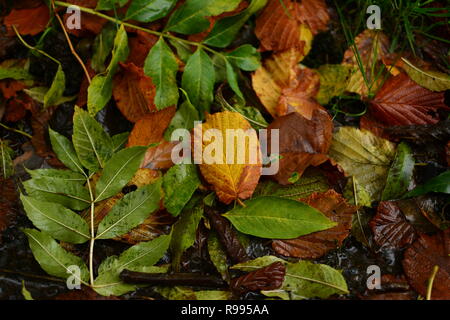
(234, 171)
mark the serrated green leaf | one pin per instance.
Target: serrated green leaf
(71, 194)
(333, 81)
(6, 162)
(144, 254)
(56, 220)
(161, 65)
(149, 10)
(118, 171)
(52, 258)
(54, 94)
(184, 234)
(100, 89)
(102, 46)
(65, 151)
(232, 79)
(198, 80)
(15, 73)
(91, 142)
(400, 173)
(432, 80)
(179, 184)
(440, 183)
(226, 29)
(277, 218)
(130, 211)
(246, 57)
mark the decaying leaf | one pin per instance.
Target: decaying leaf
(430, 79)
(266, 278)
(316, 244)
(401, 101)
(140, 45)
(303, 142)
(419, 260)
(232, 175)
(133, 92)
(7, 201)
(28, 21)
(366, 158)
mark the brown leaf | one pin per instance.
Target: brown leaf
(7, 202)
(85, 293)
(279, 28)
(314, 13)
(16, 108)
(28, 21)
(159, 157)
(10, 88)
(419, 260)
(140, 45)
(302, 143)
(401, 101)
(90, 24)
(317, 244)
(390, 227)
(405, 295)
(133, 92)
(235, 180)
(267, 278)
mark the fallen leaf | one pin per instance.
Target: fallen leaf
(302, 142)
(429, 79)
(266, 278)
(279, 27)
(366, 158)
(90, 24)
(83, 93)
(9, 88)
(140, 45)
(133, 92)
(85, 293)
(231, 181)
(390, 227)
(401, 101)
(317, 244)
(314, 13)
(419, 260)
(16, 108)
(7, 203)
(28, 21)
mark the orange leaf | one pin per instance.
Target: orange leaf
(230, 180)
(133, 92)
(9, 88)
(401, 101)
(140, 45)
(303, 142)
(28, 21)
(314, 13)
(317, 244)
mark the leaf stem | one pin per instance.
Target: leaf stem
(430, 282)
(92, 239)
(16, 131)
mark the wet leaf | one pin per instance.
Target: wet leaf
(234, 180)
(277, 218)
(130, 211)
(302, 142)
(419, 260)
(366, 158)
(317, 244)
(161, 65)
(179, 184)
(56, 220)
(185, 293)
(217, 255)
(266, 278)
(440, 183)
(432, 80)
(52, 257)
(28, 21)
(147, 11)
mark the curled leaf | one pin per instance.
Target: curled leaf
(266, 278)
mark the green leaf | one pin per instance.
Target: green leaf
(102, 46)
(15, 73)
(198, 80)
(185, 293)
(57, 173)
(277, 218)
(6, 159)
(184, 234)
(364, 156)
(38, 94)
(189, 18)
(110, 4)
(52, 258)
(179, 184)
(144, 254)
(245, 57)
(218, 255)
(130, 211)
(183, 119)
(119, 141)
(59, 222)
(100, 89)
(161, 65)
(333, 81)
(65, 151)
(184, 50)
(305, 279)
(91, 142)
(71, 194)
(26, 294)
(118, 171)
(258, 263)
(440, 183)
(432, 80)
(55, 93)
(400, 174)
(232, 79)
(226, 29)
(149, 10)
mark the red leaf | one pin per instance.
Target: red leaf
(419, 260)
(315, 14)
(316, 244)
(401, 101)
(267, 278)
(9, 88)
(133, 92)
(28, 21)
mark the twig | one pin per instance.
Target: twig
(16, 130)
